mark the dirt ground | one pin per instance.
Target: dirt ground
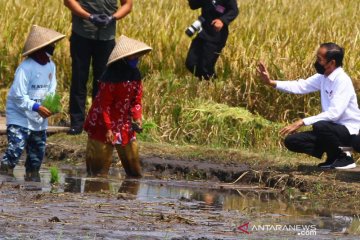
(27, 211)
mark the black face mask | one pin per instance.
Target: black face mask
(319, 68)
(49, 49)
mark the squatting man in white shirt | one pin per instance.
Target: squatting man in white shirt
(340, 116)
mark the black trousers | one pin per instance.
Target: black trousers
(355, 142)
(202, 57)
(83, 53)
(326, 137)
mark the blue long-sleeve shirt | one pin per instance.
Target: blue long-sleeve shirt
(32, 82)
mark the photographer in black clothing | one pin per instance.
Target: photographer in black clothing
(207, 45)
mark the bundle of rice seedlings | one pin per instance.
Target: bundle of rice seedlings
(52, 102)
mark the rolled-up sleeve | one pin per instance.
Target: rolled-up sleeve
(106, 98)
(136, 106)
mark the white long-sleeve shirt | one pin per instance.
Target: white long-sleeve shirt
(338, 99)
(31, 84)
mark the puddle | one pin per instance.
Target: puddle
(263, 209)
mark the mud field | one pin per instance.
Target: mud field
(176, 199)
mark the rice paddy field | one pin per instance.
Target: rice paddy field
(235, 110)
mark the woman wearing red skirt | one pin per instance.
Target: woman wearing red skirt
(116, 112)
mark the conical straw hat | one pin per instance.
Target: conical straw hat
(125, 47)
(40, 37)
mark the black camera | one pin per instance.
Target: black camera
(195, 27)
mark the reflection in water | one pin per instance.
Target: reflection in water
(263, 207)
(130, 187)
(208, 199)
(86, 185)
(72, 185)
(96, 186)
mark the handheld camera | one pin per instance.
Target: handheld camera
(195, 27)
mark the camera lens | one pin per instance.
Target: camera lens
(196, 26)
(189, 31)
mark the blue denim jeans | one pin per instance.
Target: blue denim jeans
(20, 138)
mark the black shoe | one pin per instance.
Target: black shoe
(74, 131)
(6, 169)
(327, 164)
(344, 162)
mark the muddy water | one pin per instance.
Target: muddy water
(117, 208)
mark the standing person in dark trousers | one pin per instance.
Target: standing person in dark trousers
(207, 45)
(340, 116)
(91, 42)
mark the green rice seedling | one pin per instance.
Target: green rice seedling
(52, 102)
(148, 131)
(54, 175)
